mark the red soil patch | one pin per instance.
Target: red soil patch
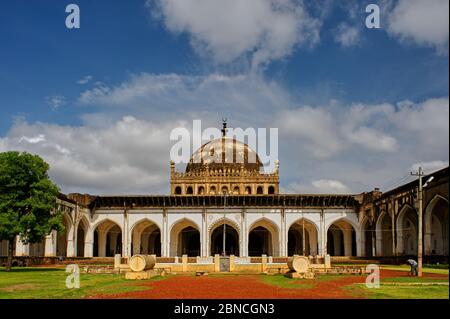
(249, 287)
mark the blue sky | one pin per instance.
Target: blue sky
(319, 67)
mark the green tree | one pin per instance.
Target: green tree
(27, 200)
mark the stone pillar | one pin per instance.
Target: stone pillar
(322, 235)
(184, 261)
(231, 263)
(70, 252)
(101, 244)
(50, 244)
(264, 263)
(216, 263)
(347, 242)
(88, 248)
(283, 243)
(21, 248)
(165, 236)
(244, 236)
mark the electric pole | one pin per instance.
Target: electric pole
(419, 173)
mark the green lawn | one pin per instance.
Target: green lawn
(400, 292)
(430, 270)
(51, 283)
(284, 282)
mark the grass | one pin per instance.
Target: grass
(399, 292)
(30, 283)
(428, 270)
(284, 282)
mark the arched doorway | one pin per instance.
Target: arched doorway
(407, 231)
(231, 239)
(61, 237)
(384, 235)
(341, 239)
(299, 245)
(146, 238)
(107, 239)
(185, 239)
(436, 227)
(263, 239)
(82, 230)
(368, 238)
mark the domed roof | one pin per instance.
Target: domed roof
(224, 152)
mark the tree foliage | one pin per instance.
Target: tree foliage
(27, 198)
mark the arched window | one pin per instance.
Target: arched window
(224, 190)
(236, 190)
(201, 190)
(178, 190)
(271, 189)
(259, 190)
(248, 190)
(189, 190)
(212, 190)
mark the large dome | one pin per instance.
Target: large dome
(224, 152)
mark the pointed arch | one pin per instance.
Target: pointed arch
(407, 231)
(436, 226)
(263, 238)
(342, 237)
(107, 238)
(146, 237)
(184, 238)
(232, 237)
(296, 240)
(383, 231)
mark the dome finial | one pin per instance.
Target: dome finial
(224, 127)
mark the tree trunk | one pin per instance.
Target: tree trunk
(10, 254)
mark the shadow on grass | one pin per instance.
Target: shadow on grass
(28, 269)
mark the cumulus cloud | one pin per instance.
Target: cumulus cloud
(55, 101)
(429, 167)
(321, 186)
(359, 145)
(86, 79)
(347, 35)
(132, 156)
(264, 30)
(425, 23)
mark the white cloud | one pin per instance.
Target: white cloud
(429, 167)
(362, 146)
(55, 101)
(227, 30)
(321, 186)
(347, 35)
(86, 79)
(423, 22)
(132, 156)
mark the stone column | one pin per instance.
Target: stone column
(21, 248)
(283, 243)
(244, 236)
(347, 243)
(88, 248)
(322, 236)
(101, 244)
(165, 236)
(50, 244)
(70, 251)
